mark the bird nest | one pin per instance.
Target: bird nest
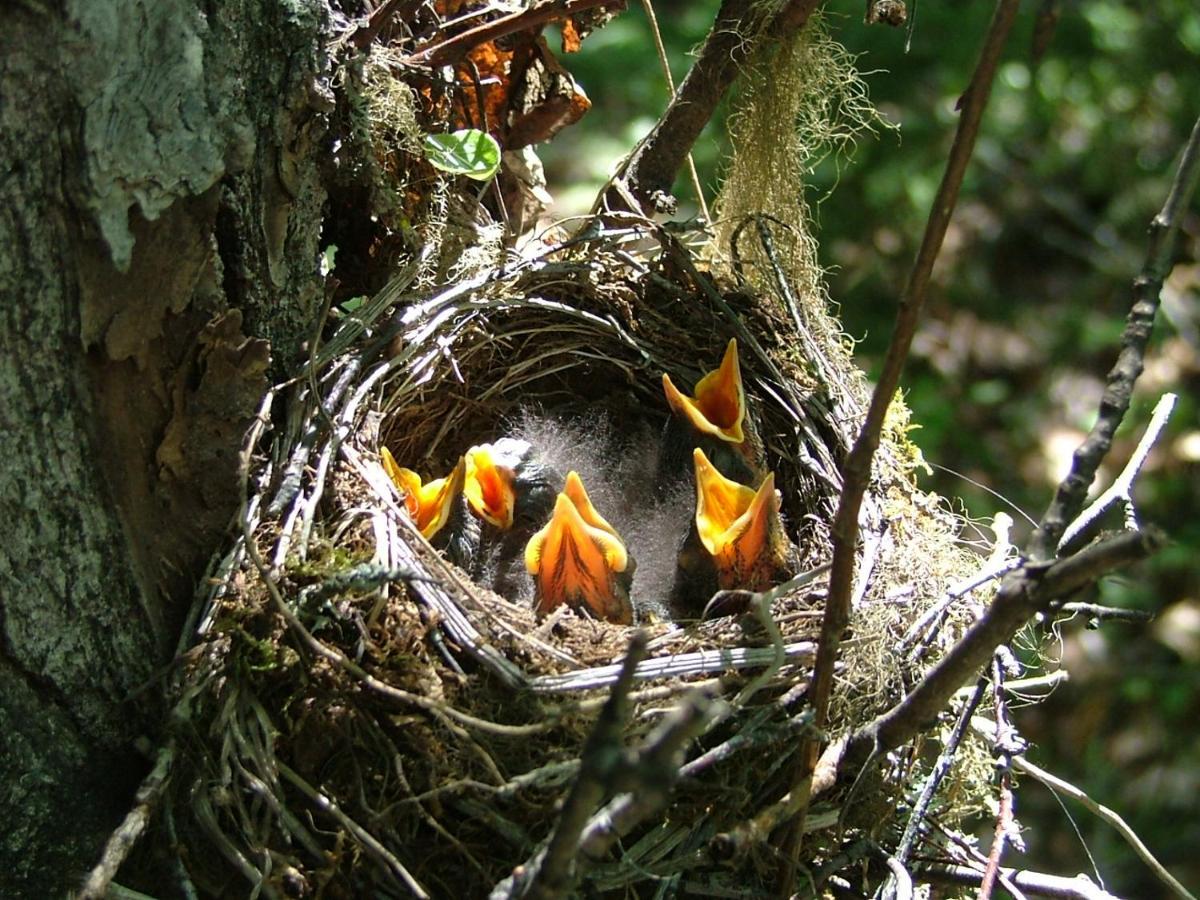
(362, 719)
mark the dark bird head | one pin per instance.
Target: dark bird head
(579, 560)
(714, 417)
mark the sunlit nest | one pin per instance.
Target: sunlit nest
(424, 731)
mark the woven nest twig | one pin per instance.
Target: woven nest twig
(378, 722)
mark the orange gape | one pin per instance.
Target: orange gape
(740, 528)
(579, 560)
(429, 504)
(719, 405)
(489, 487)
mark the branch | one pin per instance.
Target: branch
(940, 770)
(1021, 596)
(453, 49)
(856, 471)
(1118, 390)
(1067, 789)
(1122, 487)
(554, 874)
(126, 836)
(1036, 883)
(649, 172)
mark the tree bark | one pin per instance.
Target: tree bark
(160, 221)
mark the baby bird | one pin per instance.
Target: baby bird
(579, 560)
(714, 419)
(437, 508)
(736, 539)
(511, 490)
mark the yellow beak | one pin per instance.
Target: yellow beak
(739, 527)
(719, 405)
(489, 487)
(578, 558)
(429, 504)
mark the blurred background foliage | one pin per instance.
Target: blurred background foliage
(1024, 314)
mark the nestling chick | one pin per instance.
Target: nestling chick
(579, 560)
(437, 508)
(736, 540)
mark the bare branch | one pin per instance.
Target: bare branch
(856, 471)
(1122, 488)
(1067, 789)
(1118, 390)
(1022, 595)
(554, 873)
(1036, 884)
(650, 170)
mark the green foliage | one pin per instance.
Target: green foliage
(469, 152)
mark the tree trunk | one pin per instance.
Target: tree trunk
(159, 225)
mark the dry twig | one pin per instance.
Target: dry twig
(856, 470)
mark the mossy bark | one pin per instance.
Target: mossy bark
(159, 229)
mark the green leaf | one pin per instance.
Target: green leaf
(469, 152)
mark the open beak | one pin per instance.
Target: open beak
(739, 527)
(579, 560)
(429, 504)
(719, 405)
(489, 487)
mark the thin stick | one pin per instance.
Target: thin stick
(598, 770)
(1036, 883)
(121, 841)
(737, 31)
(940, 770)
(1067, 789)
(856, 472)
(1122, 487)
(1118, 390)
(648, 5)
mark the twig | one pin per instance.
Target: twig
(555, 873)
(1118, 390)
(368, 840)
(1105, 613)
(1037, 884)
(1006, 745)
(656, 771)
(453, 49)
(940, 770)
(699, 662)
(856, 471)
(652, 18)
(121, 841)
(738, 30)
(1021, 596)
(1121, 489)
(1067, 789)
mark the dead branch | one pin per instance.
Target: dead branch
(1118, 390)
(553, 872)
(940, 770)
(1036, 884)
(1021, 596)
(451, 50)
(648, 173)
(856, 471)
